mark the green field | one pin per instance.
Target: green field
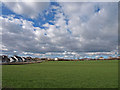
(62, 74)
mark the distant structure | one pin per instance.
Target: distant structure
(101, 58)
(56, 59)
(67, 57)
(5, 58)
(15, 58)
(110, 57)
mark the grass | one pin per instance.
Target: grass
(62, 74)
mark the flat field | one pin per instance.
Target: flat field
(62, 74)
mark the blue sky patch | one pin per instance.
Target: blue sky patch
(37, 22)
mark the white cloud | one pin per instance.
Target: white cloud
(29, 9)
(99, 29)
(86, 30)
(14, 36)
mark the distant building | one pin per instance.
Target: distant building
(23, 59)
(101, 58)
(5, 58)
(56, 59)
(110, 57)
(12, 59)
(48, 59)
(19, 59)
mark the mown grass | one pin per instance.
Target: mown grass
(62, 74)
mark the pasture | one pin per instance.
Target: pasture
(62, 74)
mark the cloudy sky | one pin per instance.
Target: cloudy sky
(41, 27)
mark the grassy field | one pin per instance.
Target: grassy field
(62, 74)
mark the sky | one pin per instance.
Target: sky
(35, 28)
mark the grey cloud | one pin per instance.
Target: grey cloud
(97, 33)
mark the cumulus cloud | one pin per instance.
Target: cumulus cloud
(18, 36)
(95, 23)
(29, 9)
(77, 27)
(15, 32)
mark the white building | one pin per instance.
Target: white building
(56, 59)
